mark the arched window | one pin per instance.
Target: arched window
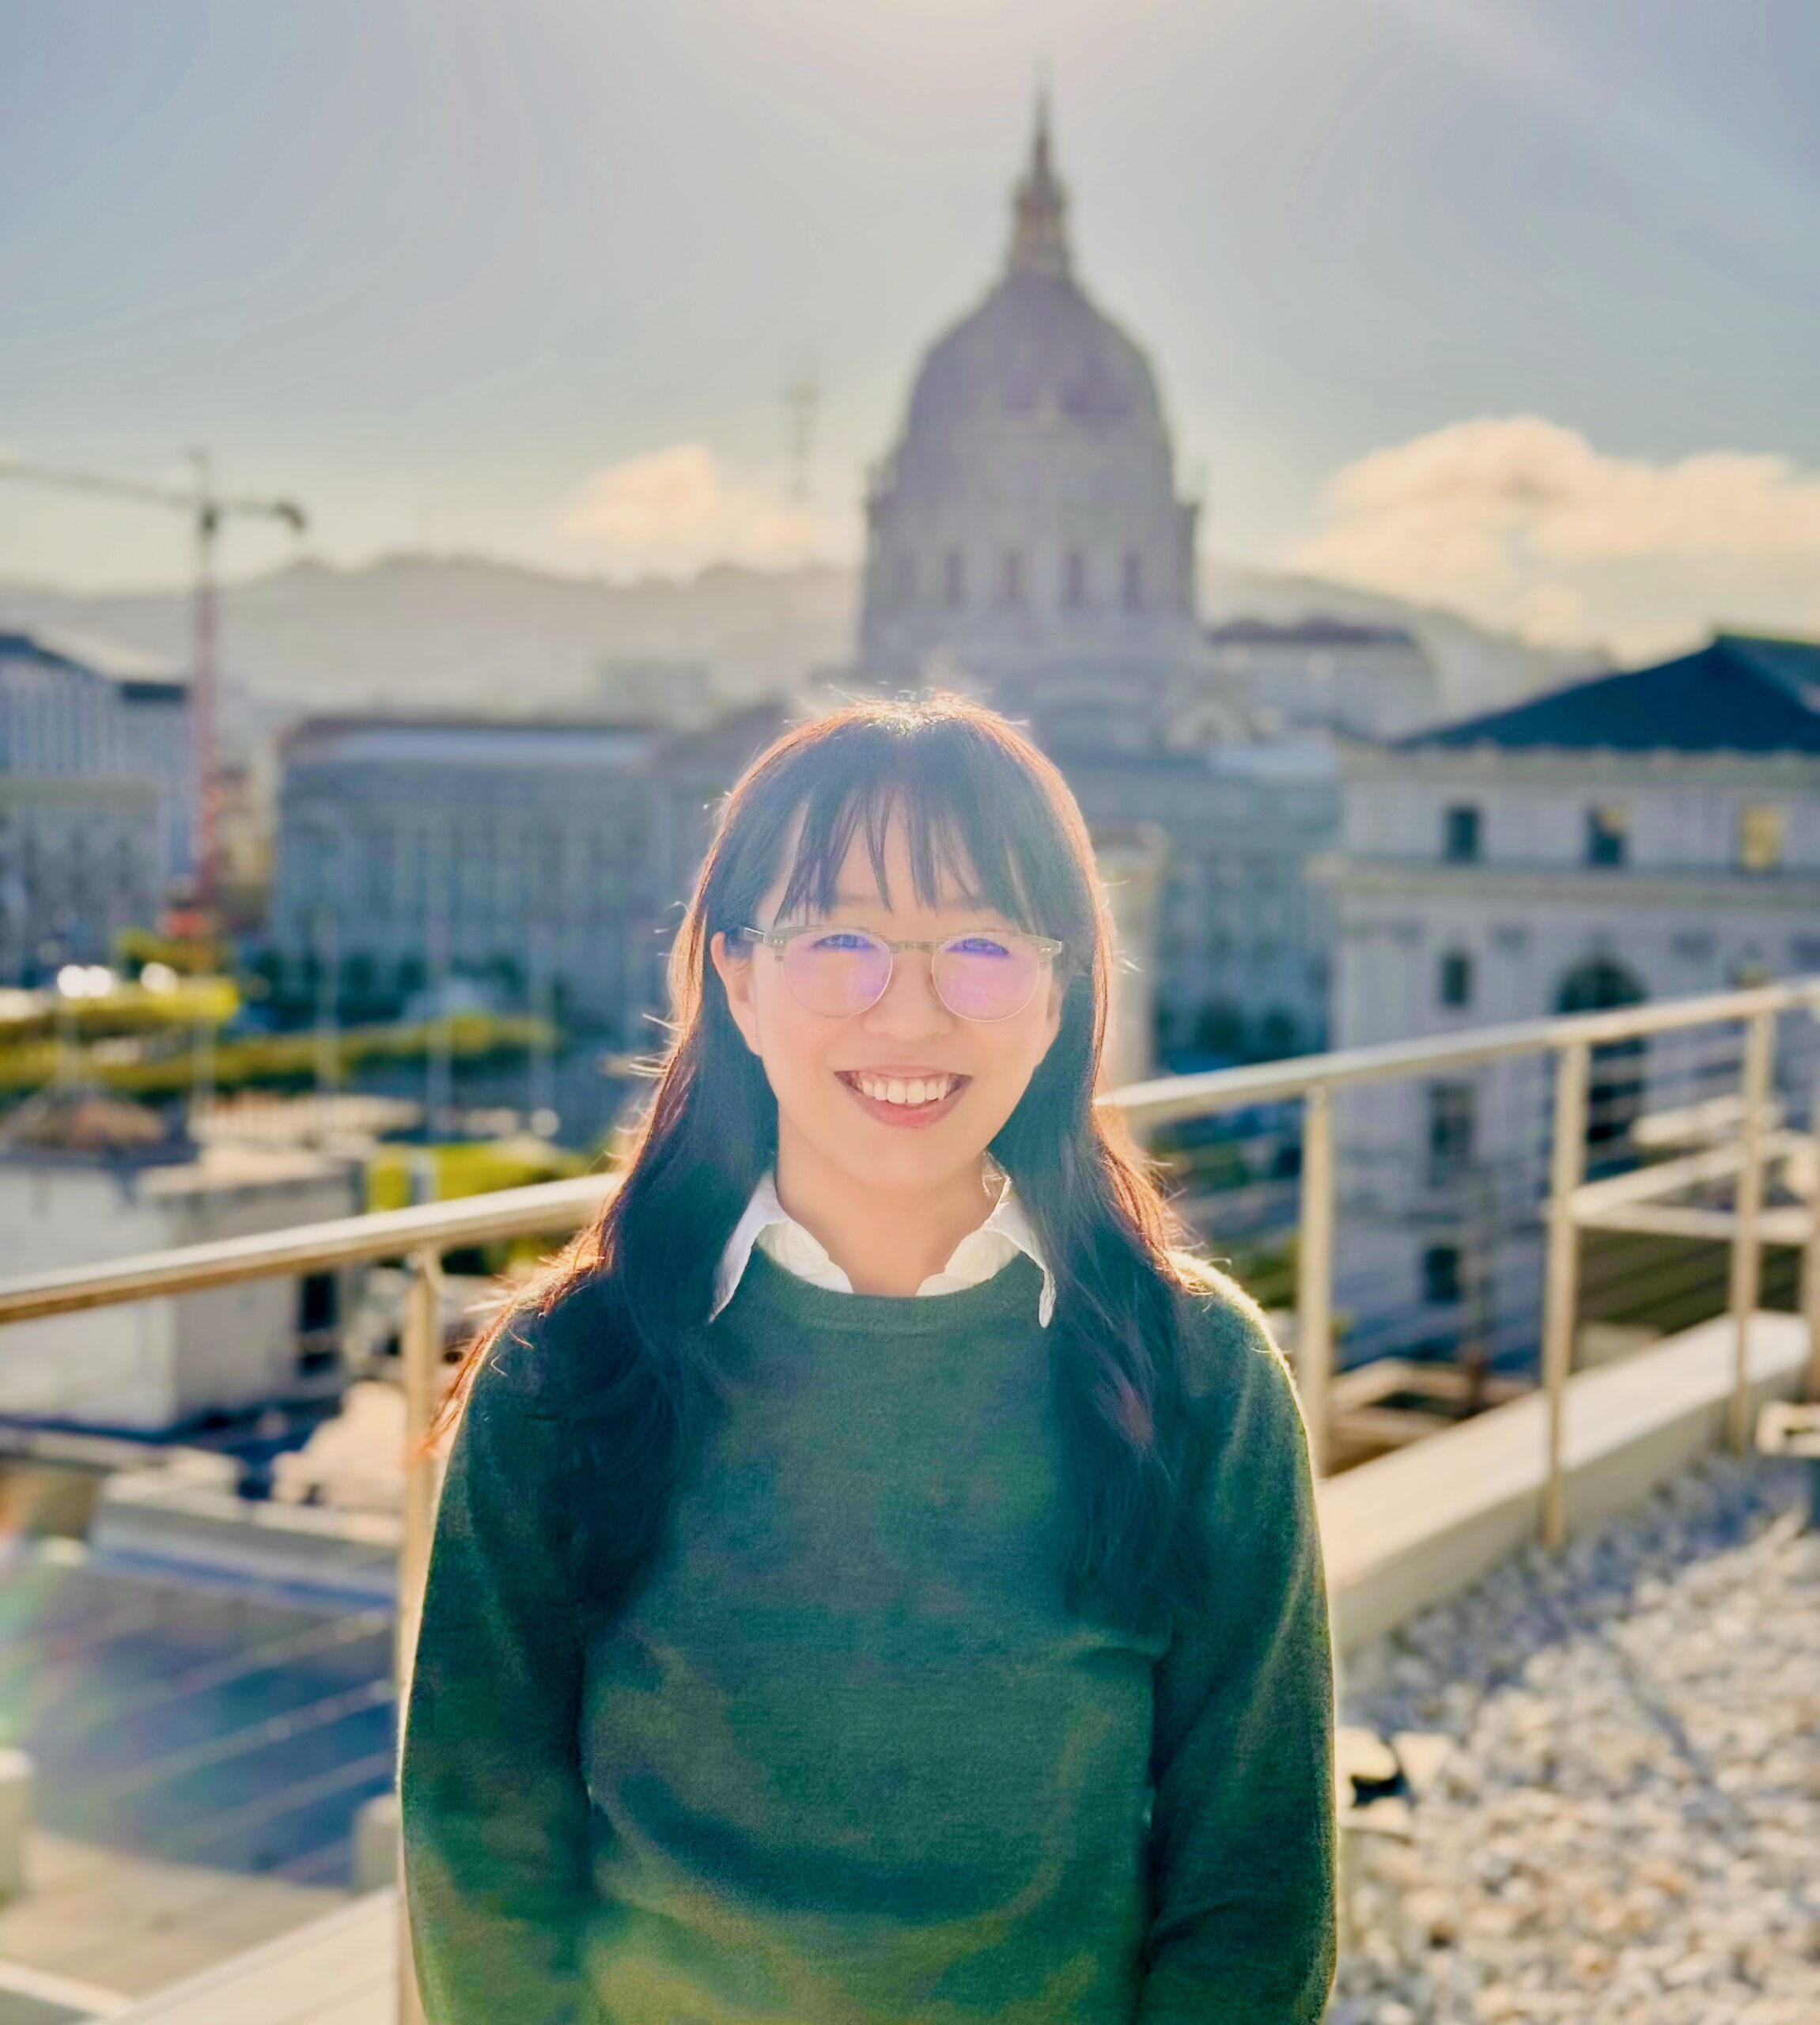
(953, 578)
(1074, 580)
(1133, 580)
(1011, 578)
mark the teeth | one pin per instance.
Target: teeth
(906, 1090)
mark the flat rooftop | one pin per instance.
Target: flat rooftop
(201, 1749)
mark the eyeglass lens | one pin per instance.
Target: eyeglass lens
(844, 970)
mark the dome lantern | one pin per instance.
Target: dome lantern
(1039, 209)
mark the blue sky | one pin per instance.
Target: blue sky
(437, 266)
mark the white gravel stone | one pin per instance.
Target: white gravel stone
(1627, 1829)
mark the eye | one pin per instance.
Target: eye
(841, 941)
(979, 945)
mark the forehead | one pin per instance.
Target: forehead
(890, 854)
(898, 881)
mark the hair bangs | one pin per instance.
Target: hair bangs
(962, 824)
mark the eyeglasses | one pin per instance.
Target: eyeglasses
(985, 973)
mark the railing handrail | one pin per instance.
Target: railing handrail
(1166, 1098)
(548, 1208)
(541, 1208)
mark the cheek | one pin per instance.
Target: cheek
(1012, 1056)
(791, 1041)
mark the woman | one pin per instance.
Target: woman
(876, 1577)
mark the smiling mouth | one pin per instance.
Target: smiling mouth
(906, 1094)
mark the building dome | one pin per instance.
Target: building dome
(1028, 513)
(1036, 346)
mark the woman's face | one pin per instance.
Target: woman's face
(835, 1076)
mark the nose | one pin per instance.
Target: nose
(909, 1006)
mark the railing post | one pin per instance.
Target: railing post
(1811, 1251)
(1314, 1270)
(1747, 1246)
(1561, 1290)
(421, 1361)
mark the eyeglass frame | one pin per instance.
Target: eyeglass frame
(1048, 947)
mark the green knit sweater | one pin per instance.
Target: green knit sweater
(845, 1758)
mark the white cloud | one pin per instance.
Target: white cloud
(672, 512)
(1520, 522)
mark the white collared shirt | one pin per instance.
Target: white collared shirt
(982, 1253)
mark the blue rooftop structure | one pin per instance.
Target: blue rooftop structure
(1740, 693)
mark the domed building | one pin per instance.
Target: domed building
(1028, 542)
(1026, 535)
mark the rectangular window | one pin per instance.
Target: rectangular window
(1074, 580)
(1460, 843)
(1441, 1274)
(319, 1301)
(1449, 1131)
(1607, 832)
(1133, 582)
(1456, 980)
(1760, 837)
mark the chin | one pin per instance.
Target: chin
(901, 1162)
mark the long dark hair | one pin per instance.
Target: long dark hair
(980, 801)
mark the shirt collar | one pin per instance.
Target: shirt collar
(1008, 1220)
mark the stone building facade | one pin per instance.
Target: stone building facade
(543, 862)
(1326, 674)
(1654, 834)
(95, 804)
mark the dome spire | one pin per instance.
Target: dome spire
(1039, 207)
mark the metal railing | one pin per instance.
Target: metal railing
(422, 1236)
(1633, 1201)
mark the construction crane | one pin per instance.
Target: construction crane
(207, 509)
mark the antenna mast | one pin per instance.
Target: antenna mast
(802, 400)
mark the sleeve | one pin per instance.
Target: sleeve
(495, 1812)
(1242, 1830)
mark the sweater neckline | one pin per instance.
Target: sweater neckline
(1010, 1294)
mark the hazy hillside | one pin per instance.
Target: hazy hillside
(412, 632)
(419, 632)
